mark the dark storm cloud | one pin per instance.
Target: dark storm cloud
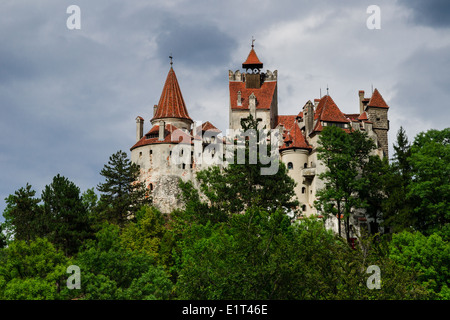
(422, 87)
(196, 44)
(433, 13)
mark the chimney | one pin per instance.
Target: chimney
(252, 105)
(161, 130)
(139, 128)
(308, 116)
(155, 108)
(239, 98)
(361, 98)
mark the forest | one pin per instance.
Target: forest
(240, 234)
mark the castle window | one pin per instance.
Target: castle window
(184, 166)
(290, 166)
(140, 154)
(305, 165)
(150, 186)
(303, 207)
(303, 190)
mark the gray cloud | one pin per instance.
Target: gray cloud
(433, 13)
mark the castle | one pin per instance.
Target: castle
(251, 92)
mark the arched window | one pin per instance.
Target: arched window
(150, 186)
(305, 165)
(290, 166)
(303, 207)
(303, 190)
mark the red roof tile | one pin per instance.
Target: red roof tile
(171, 104)
(327, 110)
(377, 100)
(208, 126)
(264, 95)
(292, 137)
(363, 116)
(252, 61)
(168, 138)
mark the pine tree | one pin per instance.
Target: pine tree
(66, 222)
(397, 208)
(123, 193)
(23, 215)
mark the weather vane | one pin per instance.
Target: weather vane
(253, 42)
(170, 57)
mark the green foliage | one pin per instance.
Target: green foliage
(149, 235)
(65, 218)
(429, 189)
(122, 193)
(344, 154)
(428, 256)
(23, 216)
(33, 270)
(111, 271)
(263, 256)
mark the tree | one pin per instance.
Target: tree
(149, 234)
(397, 208)
(123, 193)
(32, 270)
(65, 216)
(344, 155)
(372, 190)
(429, 257)
(23, 215)
(113, 271)
(429, 189)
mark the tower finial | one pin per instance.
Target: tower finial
(171, 62)
(253, 42)
(327, 89)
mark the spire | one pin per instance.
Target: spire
(252, 61)
(377, 100)
(171, 104)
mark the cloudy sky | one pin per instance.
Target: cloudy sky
(69, 98)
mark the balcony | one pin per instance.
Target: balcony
(309, 172)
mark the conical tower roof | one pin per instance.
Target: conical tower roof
(377, 100)
(252, 61)
(171, 104)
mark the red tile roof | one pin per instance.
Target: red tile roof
(327, 110)
(208, 126)
(169, 129)
(377, 100)
(363, 116)
(252, 60)
(264, 95)
(171, 104)
(292, 136)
